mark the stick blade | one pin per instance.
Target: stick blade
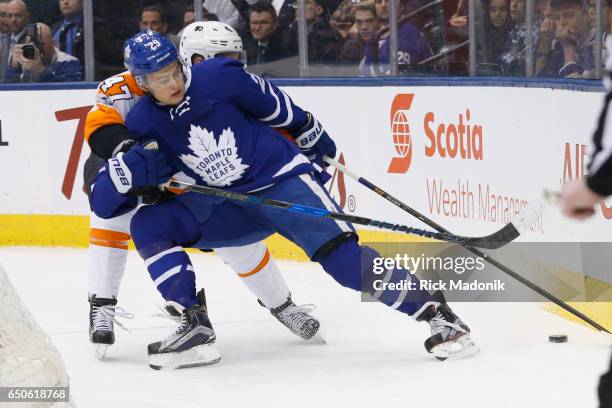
(496, 240)
(526, 218)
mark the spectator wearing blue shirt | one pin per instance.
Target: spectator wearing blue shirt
(39, 60)
(68, 32)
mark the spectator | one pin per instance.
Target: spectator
(367, 24)
(173, 12)
(382, 11)
(591, 36)
(443, 34)
(5, 38)
(496, 33)
(563, 51)
(324, 43)
(412, 47)
(18, 18)
(265, 44)
(343, 20)
(226, 11)
(44, 11)
(542, 8)
(189, 16)
(285, 12)
(153, 18)
(68, 33)
(333, 5)
(514, 55)
(4, 24)
(39, 60)
(459, 20)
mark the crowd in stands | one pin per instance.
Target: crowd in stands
(43, 40)
(32, 51)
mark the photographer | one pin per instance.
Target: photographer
(39, 60)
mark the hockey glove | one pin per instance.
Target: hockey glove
(314, 142)
(138, 167)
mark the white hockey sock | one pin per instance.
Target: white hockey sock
(259, 272)
(107, 254)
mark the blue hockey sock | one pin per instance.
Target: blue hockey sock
(346, 263)
(173, 275)
(159, 232)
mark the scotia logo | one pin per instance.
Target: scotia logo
(401, 133)
(455, 139)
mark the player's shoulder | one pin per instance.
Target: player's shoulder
(143, 107)
(216, 69)
(123, 83)
(142, 114)
(220, 78)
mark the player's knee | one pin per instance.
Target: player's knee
(151, 223)
(243, 258)
(333, 244)
(343, 263)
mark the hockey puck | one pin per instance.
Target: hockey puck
(558, 338)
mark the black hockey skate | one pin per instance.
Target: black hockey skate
(298, 320)
(191, 345)
(102, 314)
(450, 337)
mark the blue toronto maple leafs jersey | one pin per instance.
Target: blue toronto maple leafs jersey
(222, 133)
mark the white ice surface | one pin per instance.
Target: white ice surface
(373, 357)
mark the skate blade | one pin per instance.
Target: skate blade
(100, 350)
(205, 354)
(462, 347)
(317, 339)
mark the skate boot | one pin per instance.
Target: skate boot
(191, 345)
(450, 337)
(102, 313)
(298, 319)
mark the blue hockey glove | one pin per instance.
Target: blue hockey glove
(314, 142)
(138, 167)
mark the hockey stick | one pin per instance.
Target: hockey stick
(490, 242)
(524, 221)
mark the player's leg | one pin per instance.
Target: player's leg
(106, 257)
(160, 232)
(259, 272)
(107, 254)
(334, 245)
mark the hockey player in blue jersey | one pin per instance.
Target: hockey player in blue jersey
(214, 125)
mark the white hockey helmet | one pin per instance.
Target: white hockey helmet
(208, 38)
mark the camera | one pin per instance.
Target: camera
(29, 51)
(33, 46)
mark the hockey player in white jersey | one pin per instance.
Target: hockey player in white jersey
(107, 136)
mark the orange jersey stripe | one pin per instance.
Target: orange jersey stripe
(108, 235)
(259, 267)
(108, 244)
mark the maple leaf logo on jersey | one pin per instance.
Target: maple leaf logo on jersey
(217, 163)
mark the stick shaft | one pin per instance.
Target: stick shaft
(316, 212)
